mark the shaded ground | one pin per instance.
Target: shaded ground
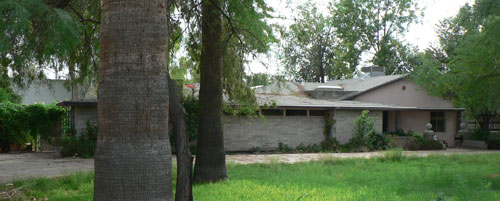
(17, 166)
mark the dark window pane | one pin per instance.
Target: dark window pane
(440, 126)
(296, 112)
(272, 112)
(438, 121)
(317, 112)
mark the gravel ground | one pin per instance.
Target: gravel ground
(50, 164)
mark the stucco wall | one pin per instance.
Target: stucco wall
(45, 91)
(242, 133)
(416, 121)
(344, 123)
(82, 115)
(411, 96)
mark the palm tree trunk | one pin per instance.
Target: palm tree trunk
(133, 155)
(210, 164)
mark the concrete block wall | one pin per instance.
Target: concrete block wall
(82, 115)
(241, 133)
(344, 122)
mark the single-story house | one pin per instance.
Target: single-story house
(298, 112)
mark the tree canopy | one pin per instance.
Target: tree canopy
(54, 35)
(465, 68)
(311, 50)
(377, 26)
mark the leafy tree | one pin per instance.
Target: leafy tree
(465, 68)
(6, 92)
(49, 34)
(311, 50)
(244, 32)
(377, 26)
(258, 79)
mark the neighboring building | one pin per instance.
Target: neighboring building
(300, 111)
(43, 91)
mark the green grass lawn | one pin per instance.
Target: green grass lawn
(457, 177)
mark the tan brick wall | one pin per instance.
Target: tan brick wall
(242, 133)
(82, 115)
(344, 122)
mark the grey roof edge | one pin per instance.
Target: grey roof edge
(348, 97)
(388, 107)
(77, 103)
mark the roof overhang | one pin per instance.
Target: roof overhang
(389, 108)
(77, 103)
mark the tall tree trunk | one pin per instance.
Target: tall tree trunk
(210, 164)
(183, 190)
(133, 155)
(484, 121)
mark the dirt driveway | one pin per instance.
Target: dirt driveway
(17, 166)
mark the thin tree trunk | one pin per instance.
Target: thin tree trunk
(183, 191)
(484, 122)
(210, 164)
(133, 155)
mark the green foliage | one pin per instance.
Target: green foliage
(192, 108)
(377, 26)
(40, 34)
(20, 124)
(459, 177)
(465, 67)
(6, 92)
(311, 50)
(83, 146)
(431, 145)
(284, 148)
(417, 142)
(246, 32)
(331, 145)
(325, 146)
(363, 125)
(258, 79)
(480, 134)
(365, 138)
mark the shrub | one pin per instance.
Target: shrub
(376, 141)
(254, 150)
(480, 134)
(330, 145)
(302, 148)
(431, 145)
(282, 148)
(364, 136)
(21, 124)
(83, 146)
(413, 144)
(494, 144)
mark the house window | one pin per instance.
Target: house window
(437, 121)
(296, 112)
(316, 113)
(272, 112)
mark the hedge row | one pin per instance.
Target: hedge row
(20, 124)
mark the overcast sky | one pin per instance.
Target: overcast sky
(421, 35)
